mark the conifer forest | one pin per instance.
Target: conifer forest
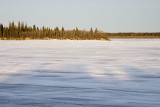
(23, 32)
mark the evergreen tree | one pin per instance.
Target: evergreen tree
(62, 29)
(1, 31)
(77, 32)
(37, 29)
(56, 29)
(62, 33)
(26, 28)
(13, 26)
(10, 25)
(91, 31)
(19, 25)
(22, 27)
(43, 29)
(56, 32)
(34, 27)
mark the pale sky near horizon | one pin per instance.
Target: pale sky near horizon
(106, 15)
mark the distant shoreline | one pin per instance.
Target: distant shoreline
(50, 39)
(108, 38)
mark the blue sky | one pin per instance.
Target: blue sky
(106, 15)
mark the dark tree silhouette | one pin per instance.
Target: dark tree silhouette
(1, 31)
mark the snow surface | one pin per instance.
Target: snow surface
(66, 73)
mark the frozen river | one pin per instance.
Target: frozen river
(65, 73)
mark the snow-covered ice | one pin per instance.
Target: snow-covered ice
(68, 73)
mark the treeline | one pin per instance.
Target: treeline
(23, 32)
(134, 35)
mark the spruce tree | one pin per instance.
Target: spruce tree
(91, 31)
(13, 26)
(56, 29)
(19, 26)
(22, 26)
(12, 30)
(1, 31)
(77, 33)
(62, 29)
(62, 33)
(96, 33)
(34, 27)
(37, 29)
(26, 28)
(56, 32)
(43, 28)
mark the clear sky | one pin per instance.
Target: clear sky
(106, 15)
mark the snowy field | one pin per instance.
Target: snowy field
(65, 73)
